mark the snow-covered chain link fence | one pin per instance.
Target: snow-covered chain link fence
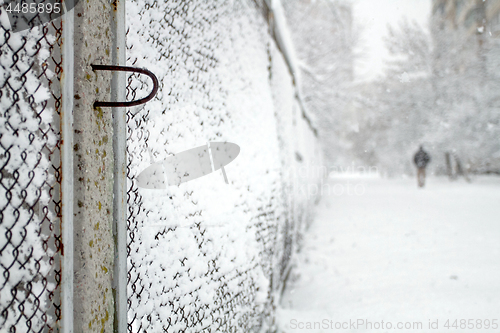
(30, 176)
(206, 256)
(203, 256)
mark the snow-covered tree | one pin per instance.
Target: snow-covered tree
(324, 38)
(440, 90)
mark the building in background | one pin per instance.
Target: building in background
(466, 47)
(476, 17)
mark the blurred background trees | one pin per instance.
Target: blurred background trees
(441, 88)
(324, 38)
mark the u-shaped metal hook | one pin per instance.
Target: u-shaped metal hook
(127, 69)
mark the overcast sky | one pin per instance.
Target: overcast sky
(374, 15)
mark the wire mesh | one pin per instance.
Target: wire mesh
(30, 177)
(222, 78)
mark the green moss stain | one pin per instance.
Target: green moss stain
(104, 269)
(91, 243)
(100, 116)
(98, 112)
(96, 226)
(104, 320)
(99, 205)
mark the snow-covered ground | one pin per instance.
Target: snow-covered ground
(384, 250)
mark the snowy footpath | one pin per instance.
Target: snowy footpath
(385, 256)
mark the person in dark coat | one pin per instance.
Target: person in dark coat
(421, 160)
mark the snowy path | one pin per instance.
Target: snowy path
(399, 254)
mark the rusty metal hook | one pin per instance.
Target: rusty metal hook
(127, 69)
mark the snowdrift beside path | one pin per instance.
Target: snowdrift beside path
(206, 256)
(388, 251)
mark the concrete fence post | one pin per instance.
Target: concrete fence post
(94, 250)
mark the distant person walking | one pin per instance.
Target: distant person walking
(421, 160)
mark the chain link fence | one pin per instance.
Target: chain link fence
(203, 256)
(206, 256)
(30, 177)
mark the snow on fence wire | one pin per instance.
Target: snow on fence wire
(202, 257)
(206, 256)
(30, 177)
